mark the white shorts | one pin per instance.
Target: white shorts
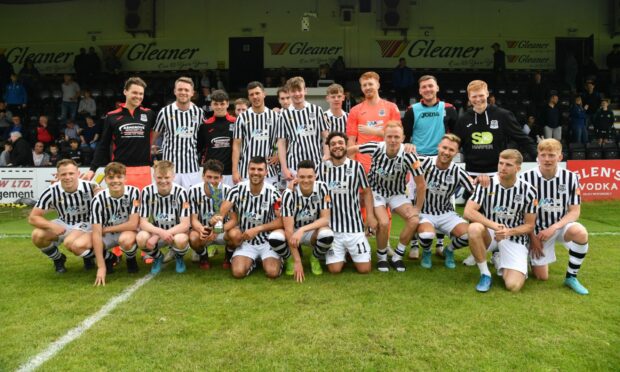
(393, 202)
(549, 247)
(511, 255)
(228, 180)
(354, 243)
(255, 251)
(188, 180)
(410, 190)
(82, 226)
(444, 223)
(306, 239)
(219, 240)
(110, 240)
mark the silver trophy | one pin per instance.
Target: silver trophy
(217, 197)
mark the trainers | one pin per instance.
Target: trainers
(204, 262)
(572, 283)
(110, 263)
(398, 265)
(414, 253)
(426, 260)
(290, 266)
(439, 251)
(180, 264)
(195, 256)
(495, 260)
(169, 256)
(484, 284)
(59, 264)
(383, 266)
(157, 264)
(89, 263)
(147, 259)
(449, 262)
(132, 265)
(469, 261)
(315, 266)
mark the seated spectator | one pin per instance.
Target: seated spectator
(62, 143)
(39, 157)
(604, 122)
(54, 154)
(21, 155)
(74, 153)
(15, 95)
(43, 133)
(16, 126)
(5, 156)
(89, 136)
(87, 106)
(72, 131)
(578, 122)
(5, 119)
(532, 129)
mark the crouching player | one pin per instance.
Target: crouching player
(559, 206)
(305, 214)
(71, 198)
(164, 218)
(115, 219)
(205, 201)
(442, 179)
(508, 217)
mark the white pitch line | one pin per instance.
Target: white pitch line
(604, 233)
(55, 347)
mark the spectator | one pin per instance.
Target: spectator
(54, 154)
(402, 81)
(5, 156)
(74, 153)
(80, 65)
(93, 63)
(112, 63)
(29, 76)
(39, 157)
(537, 92)
(87, 106)
(5, 120)
(15, 95)
(16, 126)
(205, 103)
(551, 118)
(89, 136)
(591, 98)
(604, 122)
(21, 155)
(613, 64)
(492, 100)
(72, 131)
(205, 79)
(348, 102)
(339, 70)
(499, 65)
(571, 68)
(578, 121)
(589, 69)
(532, 129)
(43, 133)
(6, 69)
(70, 95)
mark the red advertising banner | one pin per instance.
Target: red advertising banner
(598, 179)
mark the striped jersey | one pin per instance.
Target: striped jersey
(164, 212)
(335, 123)
(441, 185)
(343, 182)
(204, 205)
(302, 129)
(305, 209)
(507, 206)
(254, 210)
(107, 210)
(388, 176)
(555, 195)
(72, 207)
(179, 129)
(257, 132)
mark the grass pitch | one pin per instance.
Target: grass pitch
(418, 320)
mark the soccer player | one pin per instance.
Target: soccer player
(254, 135)
(344, 178)
(127, 130)
(178, 123)
(508, 216)
(71, 198)
(305, 215)
(164, 218)
(257, 205)
(388, 180)
(241, 106)
(215, 136)
(336, 117)
(301, 130)
(203, 207)
(559, 206)
(114, 218)
(284, 98)
(443, 177)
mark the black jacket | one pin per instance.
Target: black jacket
(21, 156)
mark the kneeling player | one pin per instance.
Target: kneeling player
(305, 214)
(71, 198)
(509, 207)
(205, 200)
(164, 218)
(558, 211)
(443, 177)
(115, 219)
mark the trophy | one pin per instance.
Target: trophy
(217, 197)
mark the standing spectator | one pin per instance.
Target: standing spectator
(70, 95)
(604, 122)
(29, 76)
(348, 102)
(87, 106)
(613, 64)
(21, 155)
(89, 136)
(80, 65)
(5, 156)
(15, 95)
(591, 99)
(39, 157)
(5, 119)
(589, 69)
(6, 69)
(499, 65)
(205, 79)
(43, 133)
(54, 154)
(578, 122)
(339, 70)
(550, 118)
(571, 68)
(537, 92)
(72, 131)
(93, 62)
(402, 81)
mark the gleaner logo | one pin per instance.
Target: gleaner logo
(392, 48)
(526, 58)
(423, 48)
(526, 44)
(115, 50)
(303, 48)
(278, 49)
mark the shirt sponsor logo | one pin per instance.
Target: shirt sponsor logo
(143, 117)
(494, 124)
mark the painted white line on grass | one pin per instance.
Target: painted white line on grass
(603, 233)
(55, 347)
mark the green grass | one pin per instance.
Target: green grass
(417, 320)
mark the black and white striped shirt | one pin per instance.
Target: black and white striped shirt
(254, 210)
(441, 184)
(555, 195)
(72, 207)
(164, 211)
(205, 206)
(343, 183)
(335, 123)
(388, 176)
(302, 129)
(257, 132)
(180, 136)
(507, 206)
(305, 209)
(107, 210)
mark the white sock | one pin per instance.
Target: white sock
(484, 269)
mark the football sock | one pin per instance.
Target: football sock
(323, 243)
(484, 268)
(399, 252)
(426, 240)
(458, 242)
(277, 241)
(576, 254)
(52, 252)
(131, 252)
